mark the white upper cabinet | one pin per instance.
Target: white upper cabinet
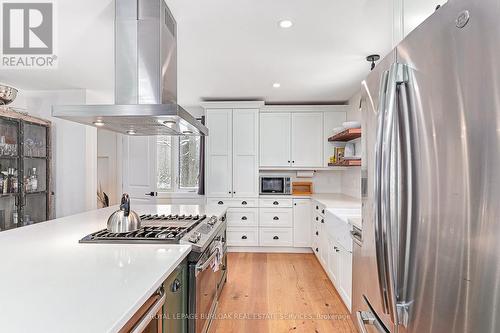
(219, 153)
(245, 152)
(275, 140)
(307, 139)
(232, 153)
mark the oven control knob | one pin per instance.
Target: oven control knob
(195, 237)
(212, 220)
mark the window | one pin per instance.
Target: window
(178, 163)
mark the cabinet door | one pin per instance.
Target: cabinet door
(307, 139)
(219, 153)
(245, 153)
(345, 285)
(334, 262)
(301, 222)
(275, 140)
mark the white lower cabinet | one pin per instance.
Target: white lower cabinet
(267, 221)
(336, 260)
(301, 222)
(242, 236)
(276, 236)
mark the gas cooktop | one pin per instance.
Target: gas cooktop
(155, 228)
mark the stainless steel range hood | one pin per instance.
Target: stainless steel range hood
(145, 77)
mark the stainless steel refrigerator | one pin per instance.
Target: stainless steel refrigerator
(429, 256)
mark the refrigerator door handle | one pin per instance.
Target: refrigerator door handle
(377, 192)
(386, 183)
(408, 197)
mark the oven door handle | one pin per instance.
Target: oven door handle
(150, 314)
(201, 267)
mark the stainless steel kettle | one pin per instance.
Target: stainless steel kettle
(124, 220)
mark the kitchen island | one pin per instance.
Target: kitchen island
(52, 283)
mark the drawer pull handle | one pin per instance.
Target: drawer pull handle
(317, 218)
(317, 233)
(323, 211)
(243, 202)
(276, 203)
(276, 238)
(317, 207)
(322, 220)
(276, 218)
(244, 218)
(244, 237)
(220, 203)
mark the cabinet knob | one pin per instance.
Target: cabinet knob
(293, 161)
(322, 220)
(288, 161)
(323, 211)
(276, 238)
(229, 192)
(317, 218)
(220, 203)
(276, 218)
(317, 207)
(317, 250)
(244, 218)
(276, 203)
(317, 233)
(244, 237)
(243, 202)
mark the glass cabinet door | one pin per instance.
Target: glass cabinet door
(9, 174)
(35, 171)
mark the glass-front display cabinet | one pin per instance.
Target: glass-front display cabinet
(24, 169)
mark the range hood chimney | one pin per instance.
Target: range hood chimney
(145, 77)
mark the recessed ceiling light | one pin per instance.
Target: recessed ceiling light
(285, 24)
(131, 132)
(276, 85)
(98, 122)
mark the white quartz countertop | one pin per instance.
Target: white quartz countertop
(51, 283)
(336, 200)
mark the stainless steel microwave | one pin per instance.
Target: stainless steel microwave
(275, 185)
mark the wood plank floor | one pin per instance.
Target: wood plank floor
(275, 293)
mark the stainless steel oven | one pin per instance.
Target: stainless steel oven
(275, 185)
(207, 275)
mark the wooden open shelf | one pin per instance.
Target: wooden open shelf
(347, 135)
(346, 163)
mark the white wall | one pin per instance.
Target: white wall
(351, 179)
(73, 150)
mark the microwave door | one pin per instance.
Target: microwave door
(272, 185)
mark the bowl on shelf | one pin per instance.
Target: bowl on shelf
(351, 124)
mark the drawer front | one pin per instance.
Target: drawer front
(236, 203)
(220, 201)
(276, 217)
(242, 236)
(275, 202)
(276, 237)
(319, 208)
(245, 202)
(241, 217)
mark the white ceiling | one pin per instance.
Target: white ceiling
(232, 49)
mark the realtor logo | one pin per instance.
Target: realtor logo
(28, 34)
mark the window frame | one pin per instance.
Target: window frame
(175, 168)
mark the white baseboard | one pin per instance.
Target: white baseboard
(269, 249)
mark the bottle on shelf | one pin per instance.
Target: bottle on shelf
(34, 180)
